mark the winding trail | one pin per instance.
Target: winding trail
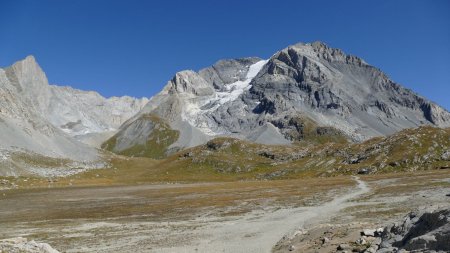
(259, 233)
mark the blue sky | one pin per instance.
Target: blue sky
(133, 47)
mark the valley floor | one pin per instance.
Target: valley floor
(246, 216)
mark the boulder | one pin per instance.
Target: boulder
(369, 232)
(361, 241)
(423, 232)
(343, 246)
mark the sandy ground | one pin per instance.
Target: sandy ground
(339, 215)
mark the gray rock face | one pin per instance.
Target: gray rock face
(79, 112)
(340, 90)
(47, 119)
(257, 100)
(23, 125)
(419, 232)
(190, 82)
(227, 71)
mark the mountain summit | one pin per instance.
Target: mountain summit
(50, 121)
(303, 89)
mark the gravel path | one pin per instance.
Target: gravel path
(259, 232)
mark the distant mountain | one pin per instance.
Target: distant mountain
(40, 118)
(88, 116)
(303, 90)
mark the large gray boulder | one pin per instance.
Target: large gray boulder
(419, 232)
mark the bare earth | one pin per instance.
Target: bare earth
(218, 217)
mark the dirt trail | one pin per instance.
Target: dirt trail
(127, 218)
(259, 232)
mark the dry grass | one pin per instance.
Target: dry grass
(404, 189)
(163, 201)
(225, 160)
(156, 145)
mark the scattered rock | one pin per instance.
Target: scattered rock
(20, 244)
(377, 241)
(291, 248)
(371, 250)
(394, 164)
(361, 241)
(446, 155)
(369, 232)
(188, 154)
(359, 248)
(364, 171)
(325, 240)
(387, 250)
(343, 246)
(379, 231)
(372, 232)
(216, 145)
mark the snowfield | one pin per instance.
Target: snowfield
(196, 110)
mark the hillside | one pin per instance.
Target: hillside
(227, 159)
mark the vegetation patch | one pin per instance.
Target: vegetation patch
(156, 143)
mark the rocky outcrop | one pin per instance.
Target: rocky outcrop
(227, 71)
(427, 231)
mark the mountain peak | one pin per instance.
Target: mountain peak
(320, 50)
(338, 93)
(27, 62)
(30, 58)
(314, 44)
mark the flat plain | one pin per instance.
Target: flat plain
(235, 216)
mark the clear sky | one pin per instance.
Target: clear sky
(133, 47)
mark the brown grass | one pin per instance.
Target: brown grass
(166, 201)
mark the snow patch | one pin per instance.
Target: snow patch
(196, 109)
(234, 90)
(4, 155)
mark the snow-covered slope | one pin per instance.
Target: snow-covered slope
(196, 111)
(270, 101)
(43, 119)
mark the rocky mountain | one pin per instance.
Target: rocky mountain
(39, 118)
(303, 88)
